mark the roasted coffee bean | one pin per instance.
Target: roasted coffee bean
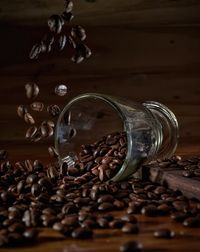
(3, 155)
(29, 119)
(68, 6)
(62, 42)
(21, 111)
(37, 106)
(35, 51)
(117, 223)
(47, 42)
(28, 164)
(53, 110)
(52, 152)
(188, 173)
(77, 58)
(32, 90)
(32, 178)
(105, 198)
(30, 233)
(130, 228)
(67, 16)
(78, 32)
(60, 90)
(16, 227)
(191, 222)
(129, 218)
(55, 23)
(46, 130)
(30, 133)
(82, 233)
(83, 50)
(35, 190)
(103, 223)
(149, 210)
(131, 246)
(164, 233)
(106, 206)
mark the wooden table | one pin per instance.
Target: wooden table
(142, 51)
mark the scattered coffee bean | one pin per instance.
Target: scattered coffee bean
(30, 133)
(35, 51)
(130, 228)
(82, 233)
(131, 246)
(164, 233)
(78, 32)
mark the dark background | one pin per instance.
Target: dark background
(142, 49)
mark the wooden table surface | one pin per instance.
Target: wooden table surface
(142, 50)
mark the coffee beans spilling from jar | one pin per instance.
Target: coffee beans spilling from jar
(75, 202)
(56, 22)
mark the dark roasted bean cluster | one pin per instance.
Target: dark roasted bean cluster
(34, 195)
(75, 39)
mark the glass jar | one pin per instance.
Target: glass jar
(151, 129)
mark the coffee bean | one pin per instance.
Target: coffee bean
(37, 106)
(3, 155)
(191, 222)
(106, 206)
(30, 133)
(78, 32)
(32, 90)
(46, 130)
(21, 111)
(60, 90)
(47, 42)
(29, 119)
(129, 218)
(55, 23)
(130, 228)
(82, 233)
(68, 6)
(35, 51)
(188, 173)
(53, 110)
(150, 210)
(105, 198)
(52, 152)
(30, 233)
(164, 233)
(131, 246)
(117, 223)
(62, 42)
(67, 16)
(103, 223)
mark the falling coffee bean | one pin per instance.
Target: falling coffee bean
(37, 106)
(3, 155)
(32, 90)
(53, 110)
(35, 51)
(68, 6)
(30, 133)
(21, 111)
(52, 152)
(78, 32)
(29, 119)
(67, 16)
(55, 23)
(60, 90)
(62, 42)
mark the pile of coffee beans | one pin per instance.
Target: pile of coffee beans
(34, 195)
(74, 40)
(101, 159)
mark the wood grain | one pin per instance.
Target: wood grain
(142, 50)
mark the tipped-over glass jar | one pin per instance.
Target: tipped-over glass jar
(150, 129)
